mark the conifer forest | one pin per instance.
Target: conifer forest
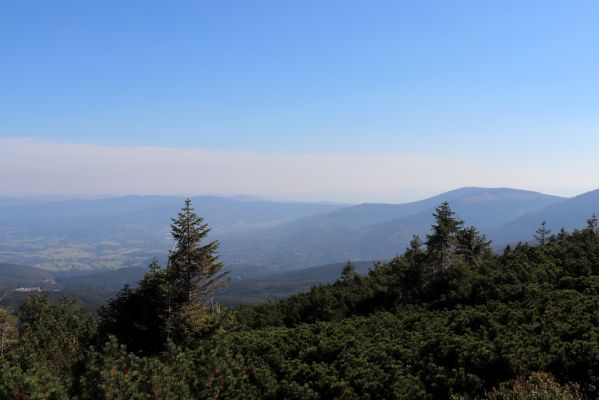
(448, 318)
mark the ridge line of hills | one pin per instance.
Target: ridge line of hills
(273, 249)
(269, 236)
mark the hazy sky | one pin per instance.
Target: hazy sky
(321, 100)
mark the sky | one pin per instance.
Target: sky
(309, 100)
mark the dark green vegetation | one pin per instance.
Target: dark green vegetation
(448, 318)
(93, 289)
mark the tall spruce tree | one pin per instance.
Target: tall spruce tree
(193, 272)
(472, 245)
(348, 273)
(441, 243)
(592, 224)
(542, 234)
(412, 275)
(171, 303)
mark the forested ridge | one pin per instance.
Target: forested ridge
(448, 318)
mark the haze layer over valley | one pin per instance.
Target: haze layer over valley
(260, 236)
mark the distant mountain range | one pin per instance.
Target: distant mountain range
(569, 214)
(259, 236)
(125, 231)
(375, 231)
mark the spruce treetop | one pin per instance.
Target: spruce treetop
(194, 272)
(348, 273)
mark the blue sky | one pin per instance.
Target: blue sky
(501, 82)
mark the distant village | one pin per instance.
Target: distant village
(28, 289)
(35, 289)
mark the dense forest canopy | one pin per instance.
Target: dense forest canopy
(448, 318)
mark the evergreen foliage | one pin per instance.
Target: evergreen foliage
(193, 272)
(446, 319)
(8, 329)
(542, 233)
(137, 317)
(539, 386)
(592, 223)
(443, 239)
(175, 303)
(348, 273)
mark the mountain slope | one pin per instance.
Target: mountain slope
(95, 288)
(373, 231)
(568, 214)
(284, 284)
(12, 276)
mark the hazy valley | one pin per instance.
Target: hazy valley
(93, 247)
(258, 236)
